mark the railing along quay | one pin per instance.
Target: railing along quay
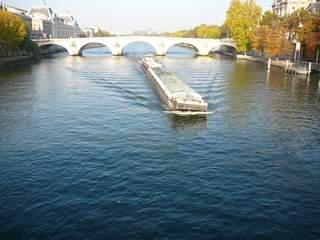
(305, 68)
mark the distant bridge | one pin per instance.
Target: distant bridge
(74, 46)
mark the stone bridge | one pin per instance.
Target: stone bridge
(74, 46)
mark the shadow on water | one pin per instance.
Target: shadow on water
(14, 69)
(179, 123)
(61, 54)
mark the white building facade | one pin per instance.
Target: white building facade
(47, 24)
(284, 8)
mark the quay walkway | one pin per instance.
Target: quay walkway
(305, 68)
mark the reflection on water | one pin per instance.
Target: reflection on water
(85, 145)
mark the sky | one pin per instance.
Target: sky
(138, 15)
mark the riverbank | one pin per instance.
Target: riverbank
(282, 64)
(251, 58)
(261, 60)
(42, 53)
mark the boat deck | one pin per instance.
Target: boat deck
(173, 83)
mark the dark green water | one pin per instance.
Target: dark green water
(86, 152)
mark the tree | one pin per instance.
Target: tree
(312, 45)
(102, 33)
(225, 31)
(272, 41)
(183, 34)
(269, 19)
(300, 24)
(304, 26)
(207, 31)
(12, 30)
(277, 43)
(259, 38)
(242, 18)
(202, 31)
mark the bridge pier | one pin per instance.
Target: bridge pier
(160, 52)
(116, 53)
(74, 51)
(75, 54)
(116, 49)
(203, 53)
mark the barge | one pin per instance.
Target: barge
(177, 96)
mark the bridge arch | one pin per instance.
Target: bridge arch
(182, 44)
(48, 48)
(92, 45)
(224, 47)
(152, 46)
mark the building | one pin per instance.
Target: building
(69, 27)
(47, 24)
(314, 7)
(284, 8)
(19, 12)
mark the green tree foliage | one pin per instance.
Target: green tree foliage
(225, 31)
(242, 18)
(202, 31)
(269, 19)
(207, 31)
(102, 33)
(12, 30)
(31, 47)
(183, 34)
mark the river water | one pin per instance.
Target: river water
(87, 152)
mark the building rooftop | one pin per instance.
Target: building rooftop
(43, 10)
(69, 19)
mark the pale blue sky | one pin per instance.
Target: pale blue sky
(127, 15)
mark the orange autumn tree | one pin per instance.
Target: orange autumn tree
(304, 27)
(272, 41)
(312, 41)
(269, 38)
(277, 43)
(259, 38)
